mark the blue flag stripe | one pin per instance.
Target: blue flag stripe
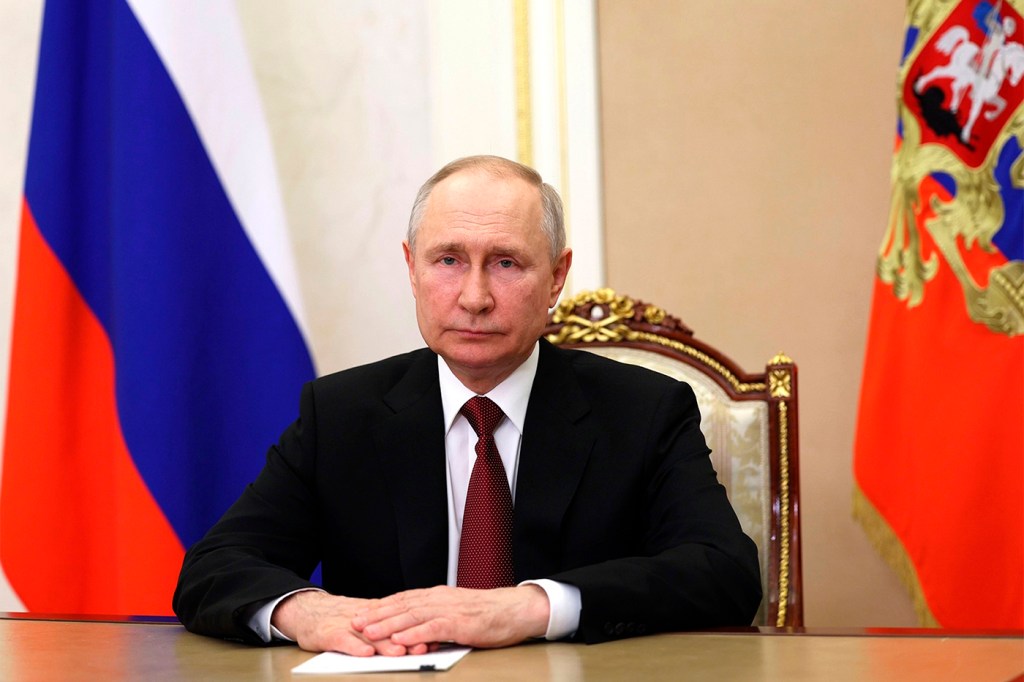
(208, 358)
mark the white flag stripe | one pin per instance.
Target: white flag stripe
(202, 47)
(8, 597)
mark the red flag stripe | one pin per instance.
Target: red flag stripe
(96, 523)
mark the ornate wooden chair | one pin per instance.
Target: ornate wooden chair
(749, 421)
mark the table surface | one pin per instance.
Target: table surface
(67, 650)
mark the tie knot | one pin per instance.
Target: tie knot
(483, 415)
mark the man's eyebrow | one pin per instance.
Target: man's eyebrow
(446, 246)
(460, 247)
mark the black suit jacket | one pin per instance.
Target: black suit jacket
(615, 494)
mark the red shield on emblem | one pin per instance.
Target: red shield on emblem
(965, 82)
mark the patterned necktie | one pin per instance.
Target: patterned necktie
(485, 550)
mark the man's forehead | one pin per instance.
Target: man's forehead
(480, 183)
(479, 216)
(463, 232)
(470, 201)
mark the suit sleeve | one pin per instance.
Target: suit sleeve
(263, 545)
(697, 568)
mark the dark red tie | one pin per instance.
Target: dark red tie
(485, 550)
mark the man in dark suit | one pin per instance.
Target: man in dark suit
(591, 510)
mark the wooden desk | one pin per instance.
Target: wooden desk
(70, 650)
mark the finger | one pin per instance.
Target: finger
(430, 632)
(383, 647)
(389, 626)
(420, 649)
(347, 641)
(344, 642)
(365, 617)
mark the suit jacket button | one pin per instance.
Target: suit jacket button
(630, 628)
(641, 629)
(620, 628)
(609, 628)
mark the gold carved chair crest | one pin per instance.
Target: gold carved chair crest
(748, 420)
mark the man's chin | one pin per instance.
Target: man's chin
(480, 367)
(476, 357)
(474, 360)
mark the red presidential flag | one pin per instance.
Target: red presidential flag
(939, 451)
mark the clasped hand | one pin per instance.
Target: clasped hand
(414, 621)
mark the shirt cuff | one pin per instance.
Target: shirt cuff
(565, 604)
(259, 622)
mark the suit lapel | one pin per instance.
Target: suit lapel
(556, 446)
(411, 447)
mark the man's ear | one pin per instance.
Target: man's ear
(559, 272)
(410, 262)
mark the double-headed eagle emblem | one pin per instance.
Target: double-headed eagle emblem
(958, 173)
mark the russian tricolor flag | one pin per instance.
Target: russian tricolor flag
(158, 345)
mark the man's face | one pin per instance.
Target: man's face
(482, 275)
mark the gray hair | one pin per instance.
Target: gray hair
(552, 223)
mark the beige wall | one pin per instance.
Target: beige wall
(746, 158)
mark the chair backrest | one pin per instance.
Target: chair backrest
(748, 420)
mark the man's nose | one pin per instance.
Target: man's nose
(475, 296)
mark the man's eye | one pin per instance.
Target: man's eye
(505, 263)
(448, 260)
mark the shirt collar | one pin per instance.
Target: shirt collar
(512, 395)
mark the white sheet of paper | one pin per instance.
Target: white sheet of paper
(335, 663)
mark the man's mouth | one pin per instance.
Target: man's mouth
(475, 332)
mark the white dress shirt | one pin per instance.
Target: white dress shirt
(513, 396)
